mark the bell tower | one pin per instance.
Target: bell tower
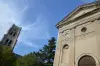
(10, 38)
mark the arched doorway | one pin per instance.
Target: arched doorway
(86, 61)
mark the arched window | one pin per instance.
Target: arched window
(11, 33)
(86, 61)
(10, 42)
(65, 46)
(6, 42)
(14, 34)
(65, 53)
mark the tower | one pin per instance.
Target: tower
(10, 38)
(78, 42)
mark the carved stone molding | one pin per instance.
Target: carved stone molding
(89, 20)
(79, 37)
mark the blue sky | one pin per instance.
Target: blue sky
(37, 19)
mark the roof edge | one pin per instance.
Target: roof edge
(96, 3)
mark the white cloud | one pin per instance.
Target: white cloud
(7, 15)
(37, 30)
(29, 44)
(24, 9)
(13, 14)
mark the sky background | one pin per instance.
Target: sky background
(37, 19)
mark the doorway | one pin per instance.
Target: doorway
(86, 61)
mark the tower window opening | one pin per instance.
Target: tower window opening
(14, 34)
(9, 42)
(6, 42)
(11, 33)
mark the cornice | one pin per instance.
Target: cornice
(83, 22)
(75, 11)
(78, 18)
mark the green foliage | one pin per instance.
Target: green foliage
(44, 57)
(7, 58)
(48, 52)
(28, 60)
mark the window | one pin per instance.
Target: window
(64, 53)
(65, 46)
(9, 43)
(83, 29)
(11, 33)
(6, 42)
(14, 34)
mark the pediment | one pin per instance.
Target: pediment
(79, 11)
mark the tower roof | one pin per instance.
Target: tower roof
(15, 26)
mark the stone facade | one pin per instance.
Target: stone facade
(78, 41)
(11, 37)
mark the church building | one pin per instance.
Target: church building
(78, 42)
(11, 37)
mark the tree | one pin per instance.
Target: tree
(28, 60)
(44, 57)
(46, 54)
(7, 57)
